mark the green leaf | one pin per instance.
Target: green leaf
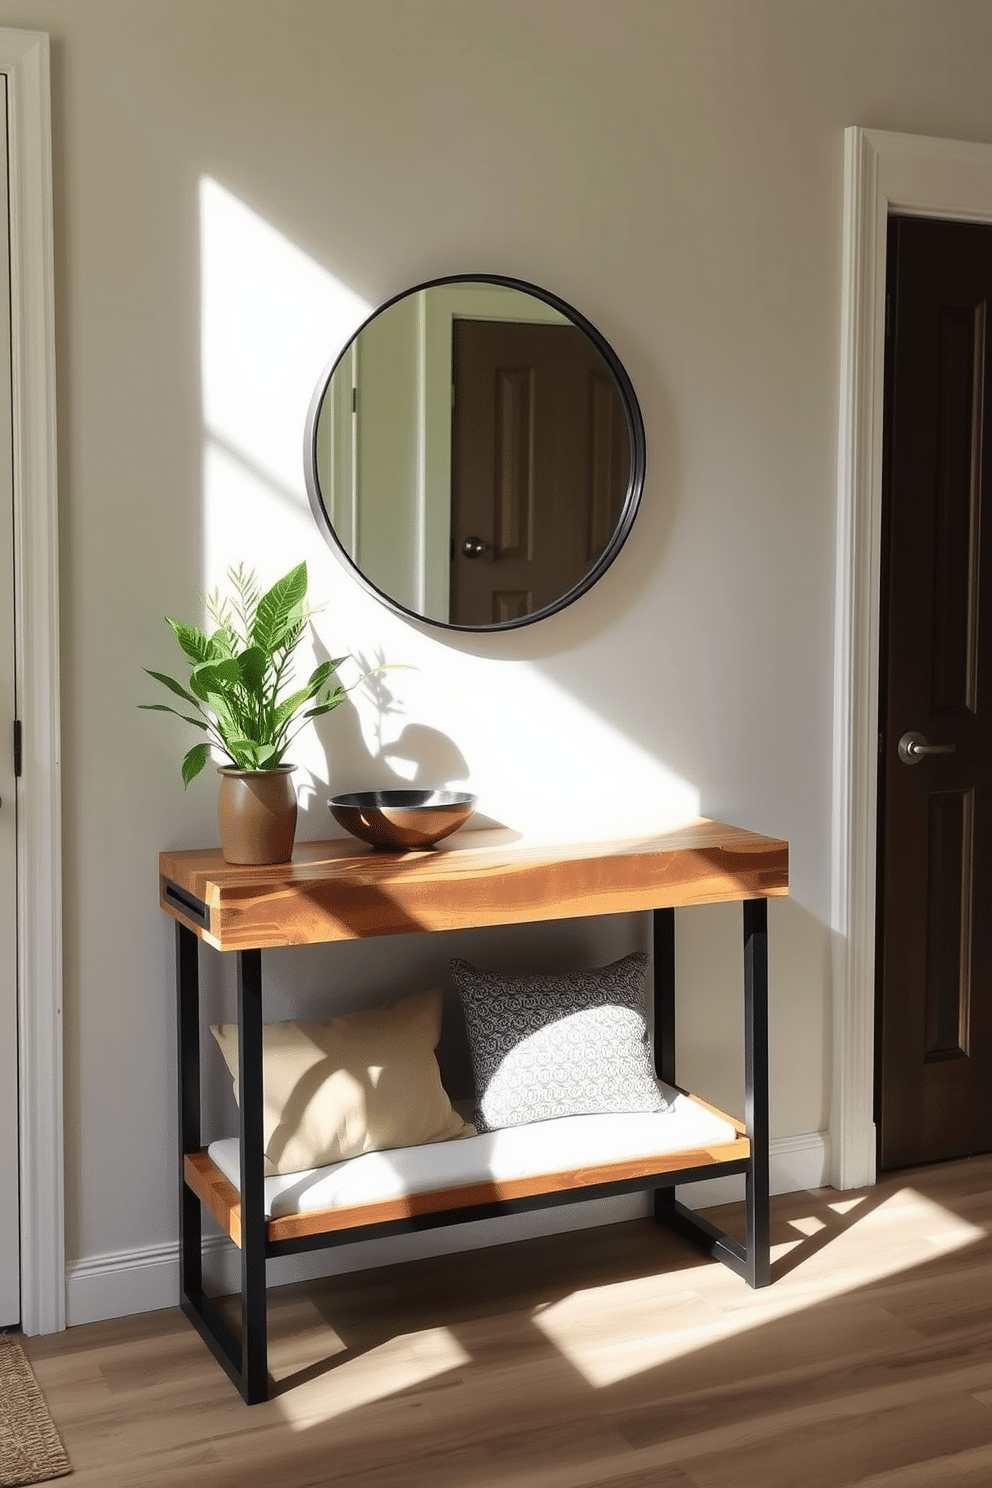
(215, 680)
(291, 705)
(173, 686)
(216, 674)
(253, 665)
(334, 701)
(202, 692)
(199, 723)
(221, 644)
(326, 669)
(194, 762)
(192, 640)
(291, 632)
(275, 609)
(244, 752)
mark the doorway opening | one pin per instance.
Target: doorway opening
(885, 174)
(933, 1047)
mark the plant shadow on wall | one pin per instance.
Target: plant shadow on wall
(379, 756)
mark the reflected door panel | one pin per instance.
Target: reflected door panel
(534, 410)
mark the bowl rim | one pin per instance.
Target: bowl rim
(432, 799)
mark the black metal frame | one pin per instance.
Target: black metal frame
(635, 431)
(245, 1358)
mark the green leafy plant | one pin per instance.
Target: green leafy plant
(239, 673)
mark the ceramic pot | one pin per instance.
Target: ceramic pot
(256, 811)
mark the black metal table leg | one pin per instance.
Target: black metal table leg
(254, 1352)
(756, 1088)
(188, 1058)
(245, 1360)
(751, 1260)
(664, 1027)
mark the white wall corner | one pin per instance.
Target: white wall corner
(24, 59)
(856, 667)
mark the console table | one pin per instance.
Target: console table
(340, 890)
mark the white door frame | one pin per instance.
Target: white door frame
(24, 59)
(883, 173)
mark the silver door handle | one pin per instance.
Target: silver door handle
(913, 747)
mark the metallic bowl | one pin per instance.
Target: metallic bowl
(398, 820)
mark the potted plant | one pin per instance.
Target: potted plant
(239, 687)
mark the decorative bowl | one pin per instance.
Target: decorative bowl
(400, 820)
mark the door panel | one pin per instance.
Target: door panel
(540, 465)
(9, 1166)
(934, 1048)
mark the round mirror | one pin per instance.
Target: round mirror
(476, 452)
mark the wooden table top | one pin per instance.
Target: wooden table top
(342, 890)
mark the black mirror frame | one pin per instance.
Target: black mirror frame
(635, 432)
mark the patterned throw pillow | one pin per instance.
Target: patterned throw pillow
(568, 1044)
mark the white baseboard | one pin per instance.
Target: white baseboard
(795, 1163)
(130, 1281)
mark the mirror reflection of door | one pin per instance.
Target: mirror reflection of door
(548, 453)
(536, 412)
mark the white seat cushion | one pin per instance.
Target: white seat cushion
(555, 1146)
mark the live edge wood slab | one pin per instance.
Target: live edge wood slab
(341, 890)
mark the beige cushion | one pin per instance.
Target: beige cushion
(361, 1082)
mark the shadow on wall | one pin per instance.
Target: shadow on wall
(374, 759)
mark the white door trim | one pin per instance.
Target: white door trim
(883, 173)
(24, 58)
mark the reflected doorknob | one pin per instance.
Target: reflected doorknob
(474, 547)
(913, 748)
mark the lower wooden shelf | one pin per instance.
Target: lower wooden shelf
(223, 1201)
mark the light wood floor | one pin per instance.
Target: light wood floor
(614, 1357)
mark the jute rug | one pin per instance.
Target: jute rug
(31, 1450)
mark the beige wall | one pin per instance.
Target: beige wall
(235, 181)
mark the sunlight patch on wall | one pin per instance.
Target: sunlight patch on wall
(271, 318)
(542, 762)
(549, 766)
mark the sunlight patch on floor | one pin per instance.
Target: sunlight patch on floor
(586, 1326)
(399, 1365)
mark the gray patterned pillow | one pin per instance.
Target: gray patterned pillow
(567, 1044)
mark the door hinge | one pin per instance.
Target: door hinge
(888, 315)
(18, 753)
(354, 400)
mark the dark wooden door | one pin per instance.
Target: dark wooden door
(540, 465)
(934, 1045)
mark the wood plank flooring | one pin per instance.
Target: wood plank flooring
(613, 1358)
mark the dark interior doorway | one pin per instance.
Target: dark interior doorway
(933, 1082)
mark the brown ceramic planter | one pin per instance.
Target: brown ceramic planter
(256, 811)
